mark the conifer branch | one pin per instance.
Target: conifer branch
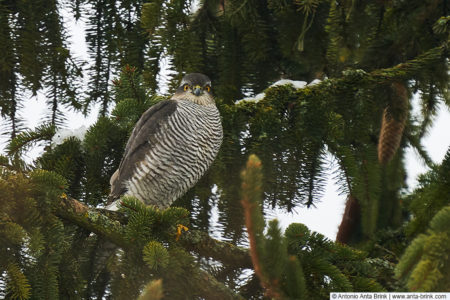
(414, 141)
(210, 288)
(26, 138)
(409, 68)
(201, 243)
(352, 78)
(251, 199)
(110, 225)
(93, 220)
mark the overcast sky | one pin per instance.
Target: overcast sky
(324, 218)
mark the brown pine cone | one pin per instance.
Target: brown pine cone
(393, 123)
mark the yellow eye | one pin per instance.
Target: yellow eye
(208, 88)
(186, 87)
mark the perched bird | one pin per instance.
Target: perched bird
(172, 145)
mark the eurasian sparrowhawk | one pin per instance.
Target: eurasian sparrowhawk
(172, 145)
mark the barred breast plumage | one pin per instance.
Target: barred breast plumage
(192, 136)
(171, 146)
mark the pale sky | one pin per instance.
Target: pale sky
(327, 214)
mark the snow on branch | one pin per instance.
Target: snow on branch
(295, 83)
(350, 77)
(62, 134)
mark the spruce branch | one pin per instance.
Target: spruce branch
(210, 288)
(110, 225)
(26, 138)
(251, 190)
(409, 68)
(424, 264)
(351, 78)
(254, 221)
(152, 291)
(102, 222)
(17, 284)
(201, 243)
(414, 141)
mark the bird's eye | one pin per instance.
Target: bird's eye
(208, 88)
(186, 87)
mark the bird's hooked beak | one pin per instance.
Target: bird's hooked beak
(197, 90)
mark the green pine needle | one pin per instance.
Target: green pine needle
(155, 256)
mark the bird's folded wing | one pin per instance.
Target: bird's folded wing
(139, 143)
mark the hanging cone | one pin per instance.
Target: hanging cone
(393, 123)
(350, 220)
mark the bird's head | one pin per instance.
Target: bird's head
(195, 87)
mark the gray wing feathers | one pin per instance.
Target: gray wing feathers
(138, 144)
